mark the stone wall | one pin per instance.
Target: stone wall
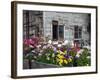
(69, 20)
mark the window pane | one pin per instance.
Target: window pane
(80, 34)
(55, 30)
(80, 29)
(76, 35)
(61, 31)
(76, 28)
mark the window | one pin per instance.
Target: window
(77, 32)
(61, 32)
(57, 31)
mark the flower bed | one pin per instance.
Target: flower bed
(57, 54)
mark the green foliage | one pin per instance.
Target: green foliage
(83, 60)
(47, 58)
(29, 56)
(72, 53)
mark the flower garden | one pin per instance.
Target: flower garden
(60, 53)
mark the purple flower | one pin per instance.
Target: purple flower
(55, 49)
(67, 56)
(68, 50)
(77, 56)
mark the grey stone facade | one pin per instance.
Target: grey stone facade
(69, 20)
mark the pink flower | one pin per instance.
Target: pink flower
(32, 42)
(26, 42)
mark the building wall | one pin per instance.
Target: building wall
(32, 23)
(69, 20)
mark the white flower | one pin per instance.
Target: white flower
(59, 45)
(49, 41)
(80, 51)
(35, 57)
(88, 57)
(66, 42)
(88, 47)
(40, 54)
(44, 47)
(41, 51)
(63, 44)
(55, 43)
(38, 46)
(48, 58)
(72, 44)
(48, 45)
(33, 51)
(78, 55)
(30, 46)
(32, 60)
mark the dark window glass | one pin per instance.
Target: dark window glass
(80, 34)
(61, 31)
(76, 28)
(57, 31)
(77, 32)
(76, 35)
